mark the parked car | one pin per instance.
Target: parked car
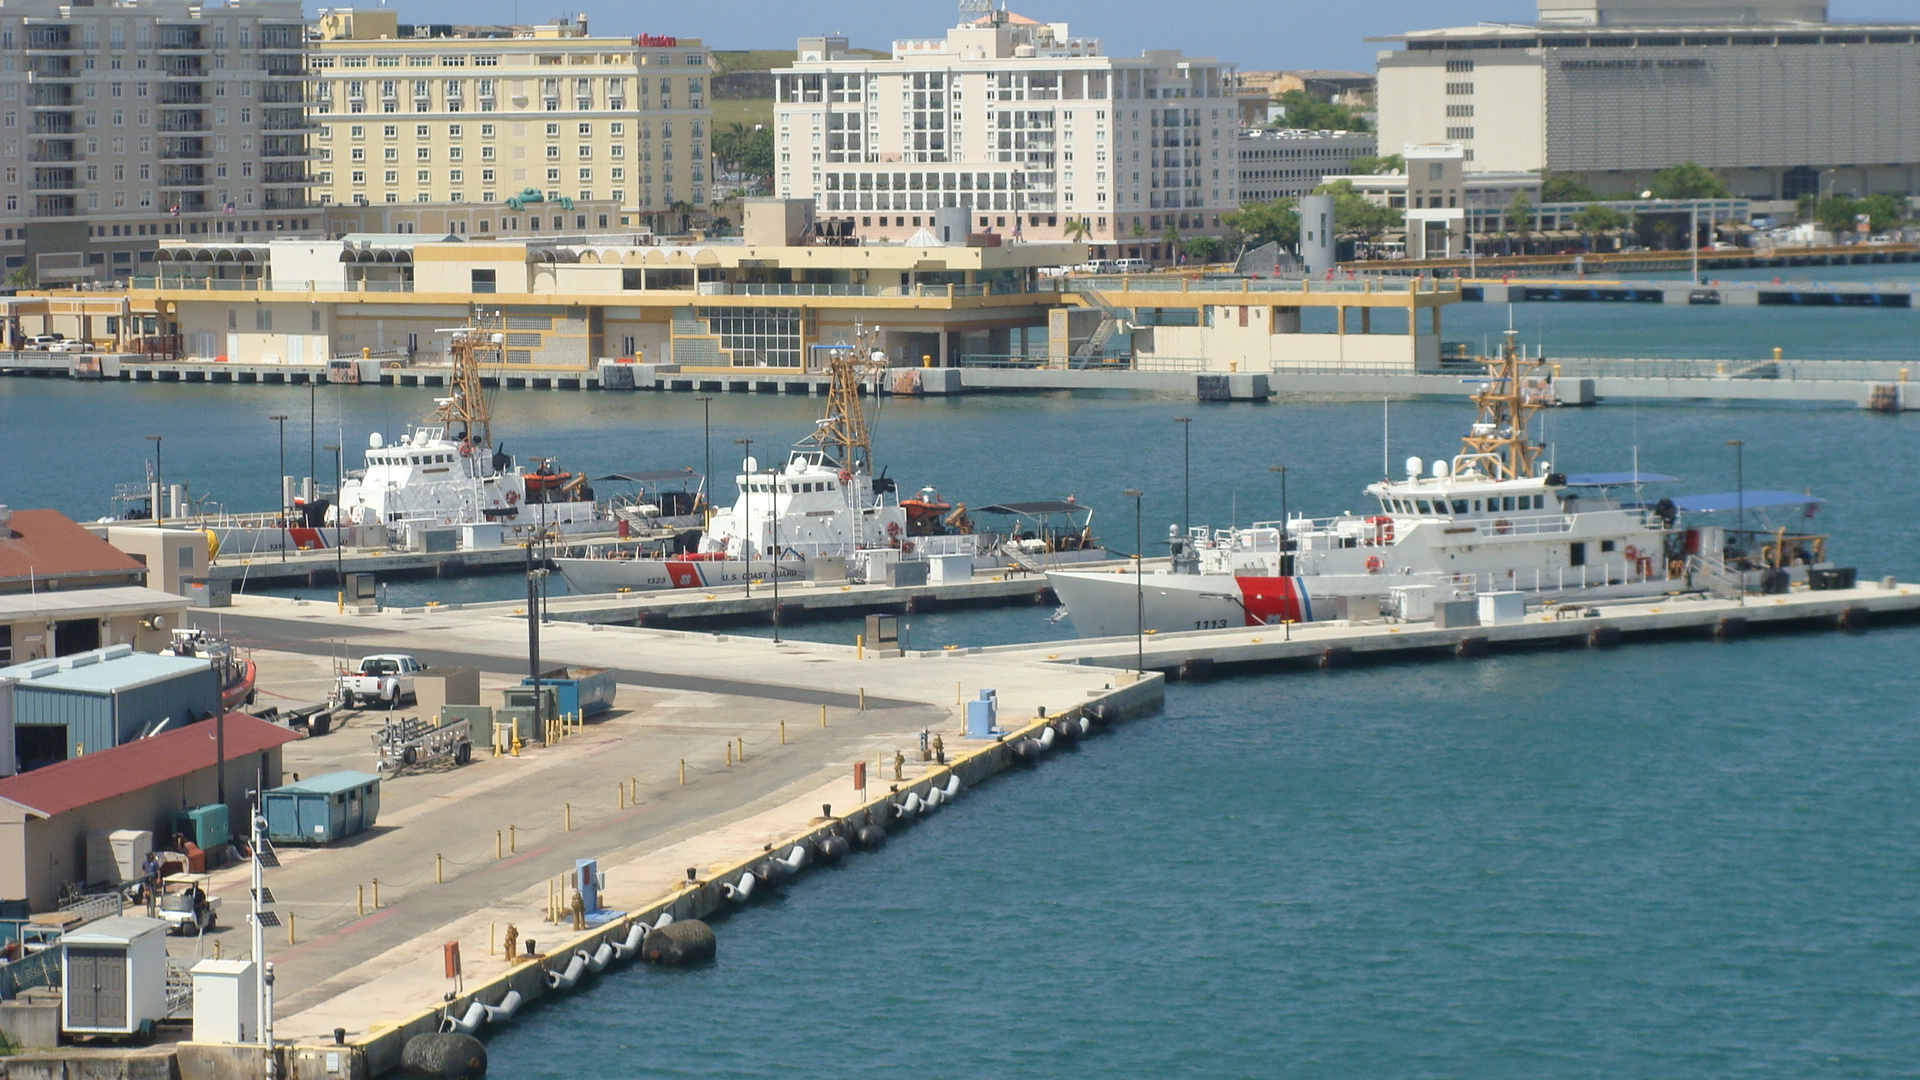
(70, 346)
(385, 678)
(42, 341)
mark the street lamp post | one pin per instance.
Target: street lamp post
(1186, 472)
(1139, 588)
(775, 474)
(746, 508)
(339, 566)
(1740, 507)
(313, 429)
(706, 441)
(1286, 536)
(159, 483)
(281, 419)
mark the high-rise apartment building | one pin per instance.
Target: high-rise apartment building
(1040, 132)
(447, 114)
(126, 122)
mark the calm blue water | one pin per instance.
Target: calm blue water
(1680, 860)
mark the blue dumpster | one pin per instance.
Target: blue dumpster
(584, 691)
(322, 809)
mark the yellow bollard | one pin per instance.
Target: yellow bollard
(783, 732)
(863, 699)
(376, 894)
(290, 918)
(568, 814)
(743, 748)
(513, 839)
(516, 744)
(439, 870)
(620, 793)
(499, 844)
(859, 646)
(359, 899)
(823, 716)
(683, 772)
(633, 792)
(729, 755)
(493, 946)
(340, 601)
(956, 692)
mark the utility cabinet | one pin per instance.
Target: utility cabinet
(226, 1001)
(113, 975)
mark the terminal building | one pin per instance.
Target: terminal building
(1041, 133)
(1769, 94)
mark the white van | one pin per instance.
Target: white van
(1133, 266)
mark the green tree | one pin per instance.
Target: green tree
(1560, 189)
(1885, 210)
(1303, 110)
(1077, 230)
(1836, 214)
(1353, 215)
(1203, 249)
(1369, 165)
(1688, 180)
(1805, 205)
(1171, 239)
(1594, 220)
(1520, 212)
(1139, 230)
(1276, 222)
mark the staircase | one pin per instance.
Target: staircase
(1715, 578)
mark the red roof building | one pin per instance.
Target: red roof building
(47, 814)
(44, 550)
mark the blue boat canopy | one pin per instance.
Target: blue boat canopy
(1751, 500)
(1617, 479)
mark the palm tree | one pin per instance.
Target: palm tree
(1077, 230)
(685, 210)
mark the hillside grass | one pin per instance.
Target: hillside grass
(749, 112)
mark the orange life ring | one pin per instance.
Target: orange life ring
(512, 497)
(1375, 564)
(845, 476)
(1382, 529)
(466, 449)
(906, 548)
(1633, 553)
(1503, 526)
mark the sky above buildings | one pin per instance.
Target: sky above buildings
(1255, 34)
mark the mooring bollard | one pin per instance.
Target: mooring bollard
(683, 772)
(783, 733)
(359, 899)
(290, 919)
(513, 839)
(567, 816)
(439, 869)
(743, 748)
(823, 716)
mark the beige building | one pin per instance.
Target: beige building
(124, 123)
(1039, 132)
(1769, 94)
(453, 114)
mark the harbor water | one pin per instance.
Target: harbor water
(1690, 859)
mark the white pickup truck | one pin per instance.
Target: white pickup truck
(384, 679)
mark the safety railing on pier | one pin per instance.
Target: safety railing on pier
(1083, 363)
(1684, 368)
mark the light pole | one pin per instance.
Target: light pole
(706, 442)
(159, 483)
(313, 430)
(746, 507)
(1286, 537)
(776, 554)
(1186, 472)
(281, 419)
(339, 566)
(1740, 508)
(1693, 240)
(1139, 588)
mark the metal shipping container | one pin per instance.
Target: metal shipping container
(586, 691)
(322, 809)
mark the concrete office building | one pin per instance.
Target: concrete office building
(1031, 127)
(458, 114)
(123, 123)
(1767, 93)
(1289, 164)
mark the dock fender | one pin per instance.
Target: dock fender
(1471, 647)
(1102, 712)
(952, 787)
(600, 958)
(444, 1056)
(685, 942)
(1086, 725)
(509, 1004)
(1729, 627)
(566, 980)
(665, 920)
(1603, 637)
(796, 858)
(773, 873)
(740, 890)
(636, 933)
(1068, 732)
(908, 806)
(1854, 618)
(1025, 751)
(871, 837)
(831, 849)
(1045, 740)
(933, 799)
(476, 1015)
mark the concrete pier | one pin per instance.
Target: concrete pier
(720, 754)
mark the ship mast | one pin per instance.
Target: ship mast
(1499, 434)
(843, 433)
(464, 410)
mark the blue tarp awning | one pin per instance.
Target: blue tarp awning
(1617, 479)
(1751, 500)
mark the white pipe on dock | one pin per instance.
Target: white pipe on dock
(1046, 737)
(601, 956)
(952, 787)
(509, 1004)
(741, 890)
(795, 858)
(465, 1025)
(576, 966)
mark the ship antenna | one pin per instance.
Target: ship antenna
(1386, 457)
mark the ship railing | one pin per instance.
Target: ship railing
(1714, 576)
(955, 544)
(1566, 579)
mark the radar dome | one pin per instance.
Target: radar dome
(375, 442)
